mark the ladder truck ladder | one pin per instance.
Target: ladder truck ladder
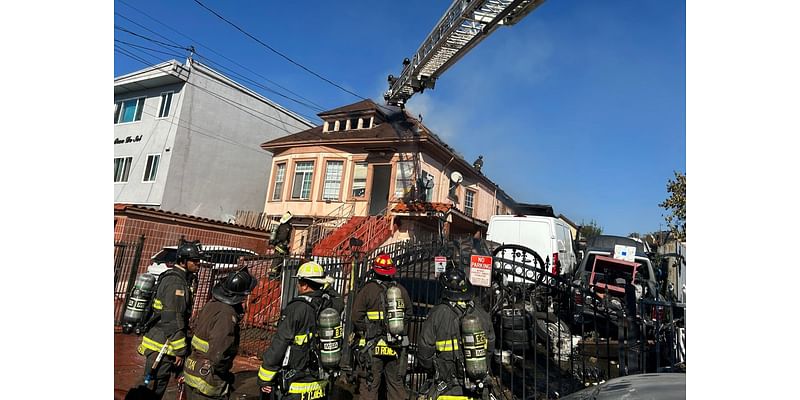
(465, 24)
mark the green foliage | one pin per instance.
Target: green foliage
(590, 230)
(675, 204)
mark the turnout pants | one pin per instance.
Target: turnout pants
(393, 370)
(160, 377)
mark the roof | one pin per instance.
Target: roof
(166, 73)
(126, 208)
(362, 105)
(421, 207)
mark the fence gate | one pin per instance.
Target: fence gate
(126, 266)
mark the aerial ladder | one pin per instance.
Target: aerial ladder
(465, 24)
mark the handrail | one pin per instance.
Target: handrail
(324, 226)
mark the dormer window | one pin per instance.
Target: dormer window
(348, 124)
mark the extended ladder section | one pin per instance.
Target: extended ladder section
(465, 24)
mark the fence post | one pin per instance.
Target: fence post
(137, 255)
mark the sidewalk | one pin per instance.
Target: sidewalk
(129, 369)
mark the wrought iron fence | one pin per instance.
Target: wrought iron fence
(553, 336)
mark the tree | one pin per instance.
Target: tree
(675, 204)
(590, 230)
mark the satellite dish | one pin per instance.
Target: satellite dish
(456, 177)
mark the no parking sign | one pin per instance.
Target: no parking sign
(480, 270)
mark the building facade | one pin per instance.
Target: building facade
(370, 160)
(186, 140)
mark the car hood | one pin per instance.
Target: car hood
(670, 386)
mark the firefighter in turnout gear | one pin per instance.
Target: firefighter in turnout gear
(456, 342)
(172, 307)
(206, 372)
(292, 365)
(381, 313)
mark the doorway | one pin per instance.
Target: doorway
(379, 193)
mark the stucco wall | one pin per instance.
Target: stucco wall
(149, 135)
(218, 166)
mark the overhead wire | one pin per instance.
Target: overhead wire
(187, 125)
(196, 42)
(221, 67)
(278, 52)
(242, 107)
(236, 104)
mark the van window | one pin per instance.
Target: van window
(166, 256)
(227, 256)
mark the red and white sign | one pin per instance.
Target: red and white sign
(440, 264)
(480, 270)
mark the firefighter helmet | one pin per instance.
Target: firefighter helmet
(454, 285)
(190, 251)
(383, 265)
(235, 287)
(311, 271)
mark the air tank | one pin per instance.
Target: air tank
(395, 311)
(330, 338)
(138, 306)
(475, 346)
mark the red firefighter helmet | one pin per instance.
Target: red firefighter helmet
(383, 265)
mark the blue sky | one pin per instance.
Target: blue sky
(581, 105)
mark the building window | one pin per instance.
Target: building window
(166, 102)
(122, 167)
(129, 110)
(403, 179)
(328, 127)
(151, 170)
(359, 179)
(280, 176)
(354, 123)
(366, 122)
(342, 125)
(469, 202)
(303, 174)
(333, 180)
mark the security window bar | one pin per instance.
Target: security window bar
(122, 167)
(359, 179)
(151, 170)
(280, 176)
(333, 180)
(469, 202)
(129, 110)
(303, 174)
(166, 102)
(403, 179)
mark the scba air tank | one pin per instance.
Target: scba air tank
(395, 311)
(330, 338)
(138, 303)
(475, 346)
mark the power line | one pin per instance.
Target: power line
(233, 103)
(242, 107)
(117, 27)
(219, 66)
(187, 125)
(146, 28)
(196, 42)
(147, 48)
(277, 52)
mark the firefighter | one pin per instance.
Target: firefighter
(216, 339)
(279, 240)
(381, 353)
(456, 341)
(291, 363)
(172, 307)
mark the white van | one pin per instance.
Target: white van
(548, 236)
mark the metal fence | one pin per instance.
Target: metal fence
(545, 347)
